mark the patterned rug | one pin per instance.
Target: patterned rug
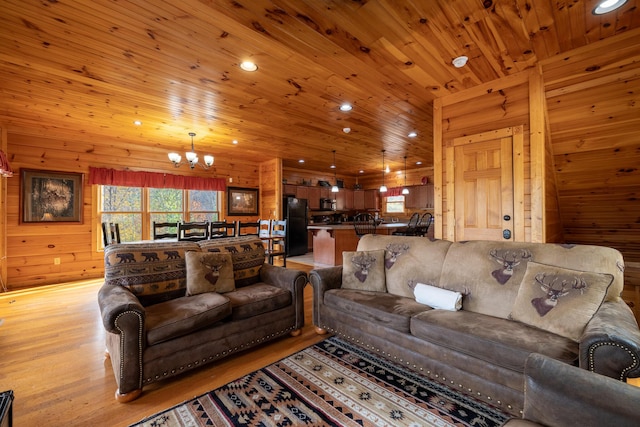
(332, 383)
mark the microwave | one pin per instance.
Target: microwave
(328, 204)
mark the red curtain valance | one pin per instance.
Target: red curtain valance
(393, 191)
(102, 176)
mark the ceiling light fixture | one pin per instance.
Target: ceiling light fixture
(335, 188)
(405, 190)
(383, 188)
(460, 61)
(607, 6)
(412, 134)
(346, 130)
(346, 107)
(248, 66)
(191, 157)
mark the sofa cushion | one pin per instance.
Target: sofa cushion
(181, 316)
(486, 272)
(209, 272)
(257, 299)
(363, 270)
(153, 272)
(408, 260)
(497, 341)
(388, 310)
(247, 253)
(558, 299)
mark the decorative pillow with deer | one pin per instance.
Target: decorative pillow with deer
(558, 299)
(209, 272)
(364, 271)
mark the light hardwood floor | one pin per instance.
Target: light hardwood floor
(52, 357)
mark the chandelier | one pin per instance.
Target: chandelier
(191, 157)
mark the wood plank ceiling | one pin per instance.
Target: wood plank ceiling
(70, 66)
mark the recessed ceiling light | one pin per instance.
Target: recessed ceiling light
(412, 134)
(346, 107)
(346, 130)
(418, 162)
(137, 122)
(607, 6)
(361, 171)
(460, 61)
(301, 161)
(248, 66)
(234, 142)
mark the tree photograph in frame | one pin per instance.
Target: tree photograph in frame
(242, 201)
(51, 196)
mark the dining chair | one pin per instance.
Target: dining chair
(278, 241)
(412, 226)
(248, 228)
(364, 223)
(193, 231)
(165, 230)
(110, 233)
(423, 226)
(222, 229)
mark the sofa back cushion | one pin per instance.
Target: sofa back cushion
(489, 273)
(408, 260)
(154, 271)
(247, 254)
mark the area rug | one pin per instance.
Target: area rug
(332, 383)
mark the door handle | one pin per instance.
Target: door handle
(506, 234)
(507, 217)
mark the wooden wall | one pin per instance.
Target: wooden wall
(32, 248)
(594, 118)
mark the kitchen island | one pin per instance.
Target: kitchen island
(330, 240)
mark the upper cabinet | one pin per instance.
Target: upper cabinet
(419, 197)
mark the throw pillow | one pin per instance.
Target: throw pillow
(364, 270)
(209, 272)
(438, 298)
(559, 300)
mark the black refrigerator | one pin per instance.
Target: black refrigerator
(295, 212)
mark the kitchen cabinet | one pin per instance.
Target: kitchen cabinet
(371, 199)
(313, 196)
(358, 200)
(289, 189)
(419, 197)
(302, 192)
(344, 199)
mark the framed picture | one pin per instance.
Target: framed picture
(242, 201)
(50, 196)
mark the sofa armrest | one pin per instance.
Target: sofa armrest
(113, 302)
(290, 279)
(322, 280)
(557, 394)
(610, 344)
(123, 318)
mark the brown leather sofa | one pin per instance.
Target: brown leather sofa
(560, 395)
(155, 328)
(481, 349)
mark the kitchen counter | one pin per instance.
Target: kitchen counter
(330, 240)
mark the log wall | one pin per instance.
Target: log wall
(31, 248)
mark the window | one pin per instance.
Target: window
(135, 209)
(394, 204)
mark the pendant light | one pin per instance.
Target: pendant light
(405, 190)
(335, 188)
(383, 188)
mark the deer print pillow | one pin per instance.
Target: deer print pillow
(364, 270)
(209, 272)
(558, 299)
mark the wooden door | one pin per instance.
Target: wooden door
(483, 183)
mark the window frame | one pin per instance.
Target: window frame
(145, 213)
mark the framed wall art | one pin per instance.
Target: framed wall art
(50, 196)
(242, 201)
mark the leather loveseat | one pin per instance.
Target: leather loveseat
(169, 307)
(562, 301)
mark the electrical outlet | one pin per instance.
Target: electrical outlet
(56, 261)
